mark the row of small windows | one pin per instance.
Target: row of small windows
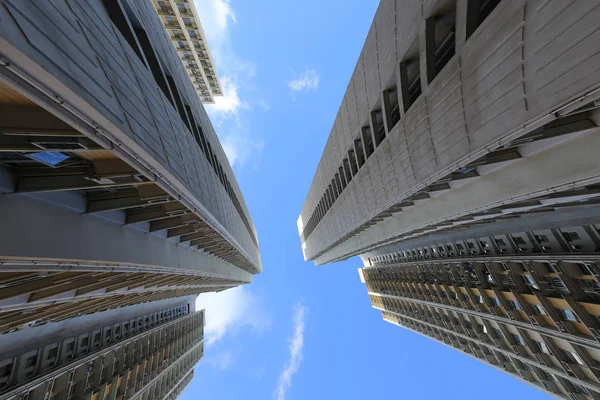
(482, 350)
(53, 355)
(441, 41)
(571, 239)
(130, 27)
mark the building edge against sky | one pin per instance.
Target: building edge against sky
(117, 198)
(182, 23)
(462, 169)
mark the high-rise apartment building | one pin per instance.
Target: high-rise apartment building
(462, 169)
(115, 188)
(182, 23)
(144, 351)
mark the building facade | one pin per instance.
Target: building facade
(461, 169)
(115, 188)
(182, 23)
(145, 351)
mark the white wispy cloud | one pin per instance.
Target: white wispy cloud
(221, 361)
(230, 311)
(237, 77)
(296, 344)
(308, 80)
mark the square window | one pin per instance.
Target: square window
(71, 346)
(31, 361)
(84, 341)
(52, 353)
(496, 301)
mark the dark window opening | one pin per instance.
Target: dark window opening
(378, 126)
(117, 16)
(360, 154)
(338, 182)
(31, 361)
(334, 190)
(52, 353)
(347, 170)
(352, 159)
(368, 141)
(446, 48)
(571, 236)
(124, 17)
(392, 107)
(477, 12)
(342, 177)
(178, 101)
(413, 78)
(440, 42)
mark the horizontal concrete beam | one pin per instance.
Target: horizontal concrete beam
(34, 229)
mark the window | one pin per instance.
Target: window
(360, 155)
(530, 281)
(6, 371)
(84, 341)
(31, 361)
(378, 126)
(440, 42)
(347, 170)
(538, 309)
(542, 347)
(52, 353)
(500, 242)
(71, 346)
(477, 12)
(367, 140)
(499, 333)
(573, 357)
(571, 236)
(542, 238)
(496, 301)
(480, 299)
(568, 315)
(352, 161)
(515, 305)
(392, 107)
(97, 337)
(518, 339)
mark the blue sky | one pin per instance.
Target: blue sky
(301, 331)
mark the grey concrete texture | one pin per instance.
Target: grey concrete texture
(520, 65)
(76, 53)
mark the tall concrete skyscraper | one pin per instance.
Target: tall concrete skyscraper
(182, 22)
(115, 188)
(144, 351)
(462, 168)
